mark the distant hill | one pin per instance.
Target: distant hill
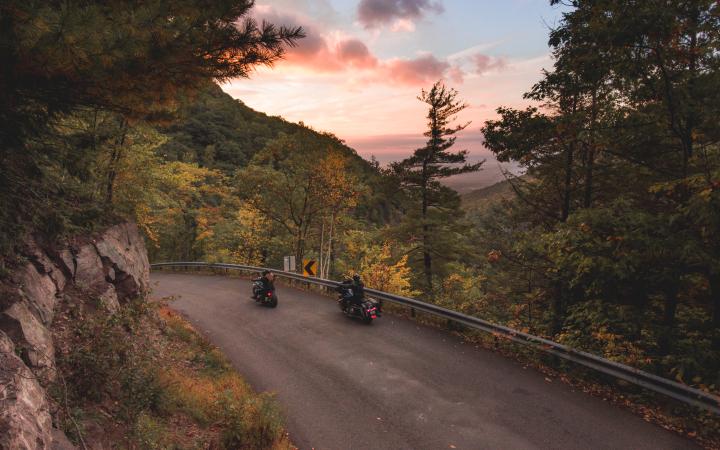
(481, 199)
(220, 132)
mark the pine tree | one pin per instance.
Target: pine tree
(420, 174)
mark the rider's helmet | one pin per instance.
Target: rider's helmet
(265, 272)
(356, 278)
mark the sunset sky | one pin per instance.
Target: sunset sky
(363, 63)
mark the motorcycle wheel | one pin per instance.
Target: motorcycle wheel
(367, 320)
(273, 302)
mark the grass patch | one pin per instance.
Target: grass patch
(143, 378)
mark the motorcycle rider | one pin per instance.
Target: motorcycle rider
(345, 291)
(267, 280)
(358, 288)
(351, 292)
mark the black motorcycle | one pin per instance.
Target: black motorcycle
(365, 310)
(263, 295)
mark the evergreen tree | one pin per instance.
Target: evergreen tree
(131, 58)
(420, 175)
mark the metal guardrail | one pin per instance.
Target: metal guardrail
(678, 391)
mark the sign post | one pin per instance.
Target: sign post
(289, 263)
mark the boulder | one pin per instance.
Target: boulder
(65, 261)
(25, 421)
(89, 271)
(123, 252)
(39, 290)
(44, 265)
(32, 339)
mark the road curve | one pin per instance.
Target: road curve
(394, 384)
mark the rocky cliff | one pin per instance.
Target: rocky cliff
(111, 267)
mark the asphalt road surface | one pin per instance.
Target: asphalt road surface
(394, 384)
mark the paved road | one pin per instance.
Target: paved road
(393, 384)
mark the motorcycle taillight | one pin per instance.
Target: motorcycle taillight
(269, 294)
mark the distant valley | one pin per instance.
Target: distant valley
(389, 148)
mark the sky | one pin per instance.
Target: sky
(359, 71)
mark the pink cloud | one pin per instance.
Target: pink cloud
(374, 13)
(355, 53)
(456, 75)
(324, 53)
(485, 63)
(419, 71)
(313, 50)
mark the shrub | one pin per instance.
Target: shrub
(253, 424)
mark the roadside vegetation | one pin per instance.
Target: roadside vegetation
(144, 378)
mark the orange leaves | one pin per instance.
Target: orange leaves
(494, 256)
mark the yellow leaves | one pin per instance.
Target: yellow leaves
(240, 239)
(335, 186)
(203, 225)
(379, 272)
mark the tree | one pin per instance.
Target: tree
(127, 60)
(340, 193)
(128, 57)
(296, 181)
(620, 190)
(662, 62)
(420, 174)
(380, 270)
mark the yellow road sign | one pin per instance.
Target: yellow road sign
(309, 267)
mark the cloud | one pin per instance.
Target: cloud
(355, 53)
(422, 70)
(328, 52)
(313, 50)
(456, 75)
(484, 63)
(375, 13)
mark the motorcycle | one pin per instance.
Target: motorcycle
(262, 295)
(366, 310)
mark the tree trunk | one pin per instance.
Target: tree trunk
(568, 183)
(668, 321)
(558, 308)
(114, 160)
(299, 249)
(587, 203)
(590, 154)
(714, 279)
(427, 258)
(322, 247)
(329, 258)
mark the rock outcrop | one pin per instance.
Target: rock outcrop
(111, 267)
(24, 413)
